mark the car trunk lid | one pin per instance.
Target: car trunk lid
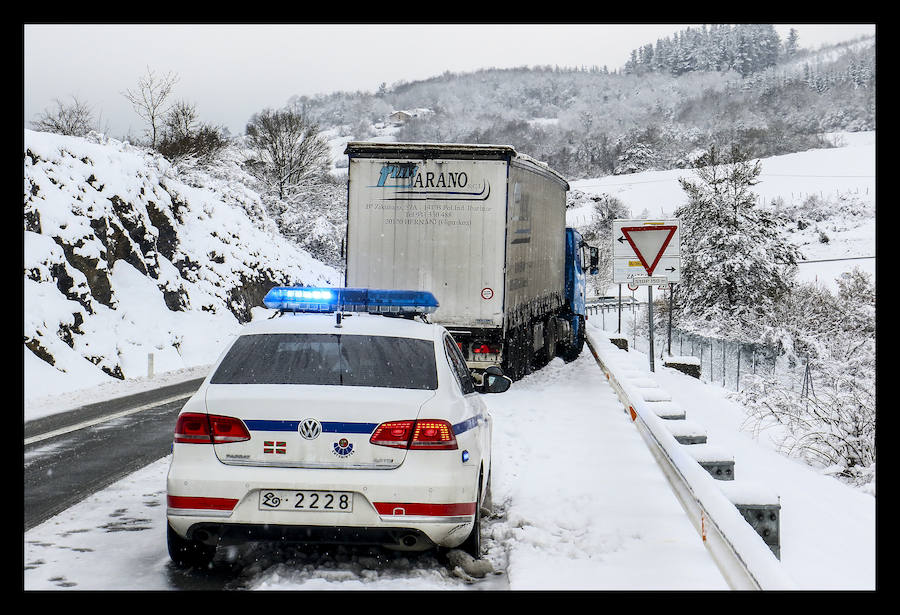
(312, 426)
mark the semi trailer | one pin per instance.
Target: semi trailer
(483, 228)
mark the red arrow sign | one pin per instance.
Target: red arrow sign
(649, 243)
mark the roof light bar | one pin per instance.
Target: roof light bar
(307, 299)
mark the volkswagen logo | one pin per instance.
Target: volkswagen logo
(310, 429)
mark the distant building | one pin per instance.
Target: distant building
(398, 118)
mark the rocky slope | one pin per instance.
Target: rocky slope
(124, 253)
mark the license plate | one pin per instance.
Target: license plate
(306, 500)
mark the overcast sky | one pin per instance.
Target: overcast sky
(231, 72)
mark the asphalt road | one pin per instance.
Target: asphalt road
(69, 456)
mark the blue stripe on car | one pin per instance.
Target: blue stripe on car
(466, 425)
(327, 427)
(340, 427)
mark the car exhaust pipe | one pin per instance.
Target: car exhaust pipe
(409, 541)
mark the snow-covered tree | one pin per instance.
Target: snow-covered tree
(824, 413)
(737, 262)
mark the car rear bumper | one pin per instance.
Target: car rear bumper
(436, 507)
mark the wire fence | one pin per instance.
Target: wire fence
(723, 362)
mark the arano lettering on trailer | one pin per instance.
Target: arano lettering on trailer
(412, 184)
(410, 172)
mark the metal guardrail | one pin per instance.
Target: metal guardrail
(745, 561)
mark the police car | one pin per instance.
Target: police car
(346, 417)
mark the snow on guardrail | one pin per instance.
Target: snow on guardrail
(744, 559)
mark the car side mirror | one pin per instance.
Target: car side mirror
(493, 381)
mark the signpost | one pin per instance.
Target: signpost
(647, 253)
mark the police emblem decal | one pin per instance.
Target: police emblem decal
(343, 448)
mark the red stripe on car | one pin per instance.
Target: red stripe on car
(429, 510)
(178, 501)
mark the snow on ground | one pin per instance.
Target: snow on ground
(586, 506)
(579, 505)
(827, 527)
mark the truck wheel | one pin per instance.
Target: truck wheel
(573, 351)
(549, 349)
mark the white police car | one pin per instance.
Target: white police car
(333, 422)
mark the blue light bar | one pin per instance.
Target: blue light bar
(381, 301)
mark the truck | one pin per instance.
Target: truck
(483, 228)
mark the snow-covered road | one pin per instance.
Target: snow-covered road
(579, 504)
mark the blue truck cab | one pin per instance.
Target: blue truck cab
(580, 257)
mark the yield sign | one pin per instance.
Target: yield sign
(649, 243)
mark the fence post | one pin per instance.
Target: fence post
(150, 365)
(701, 357)
(723, 363)
(738, 382)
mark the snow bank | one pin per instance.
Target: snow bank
(126, 255)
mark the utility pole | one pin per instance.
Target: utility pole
(650, 310)
(619, 328)
(671, 290)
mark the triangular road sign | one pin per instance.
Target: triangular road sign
(649, 243)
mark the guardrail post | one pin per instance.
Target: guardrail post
(719, 465)
(765, 519)
(150, 365)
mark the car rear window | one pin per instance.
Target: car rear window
(328, 359)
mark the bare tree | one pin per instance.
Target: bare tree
(289, 147)
(183, 134)
(75, 119)
(150, 99)
(181, 120)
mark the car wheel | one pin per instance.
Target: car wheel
(472, 545)
(188, 553)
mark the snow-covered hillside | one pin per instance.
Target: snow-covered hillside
(830, 193)
(126, 255)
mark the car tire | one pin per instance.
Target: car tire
(186, 553)
(488, 503)
(472, 544)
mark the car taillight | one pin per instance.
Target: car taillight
(427, 434)
(433, 435)
(228, 429)
(485, 349)
(393, 433)
(195, 428)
